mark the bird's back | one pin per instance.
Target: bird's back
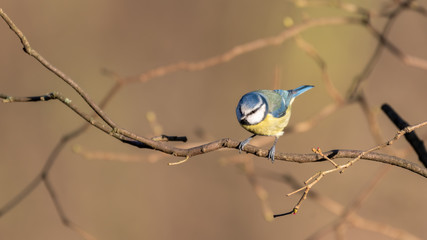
(277, 104)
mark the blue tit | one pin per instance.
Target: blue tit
(267, 113)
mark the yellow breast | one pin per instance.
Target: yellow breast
(270, 126)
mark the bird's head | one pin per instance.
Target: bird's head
(251, 109)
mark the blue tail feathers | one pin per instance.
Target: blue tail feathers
(297, 91)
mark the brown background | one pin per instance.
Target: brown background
(203, 198)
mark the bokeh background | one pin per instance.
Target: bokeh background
(207, 197)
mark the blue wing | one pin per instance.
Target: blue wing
(280, 100)
(289, 95)
(276, 104)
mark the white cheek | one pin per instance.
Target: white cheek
(257, 116)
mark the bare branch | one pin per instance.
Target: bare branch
(132, 139)
(32, 52)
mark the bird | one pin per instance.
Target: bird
(267, 113)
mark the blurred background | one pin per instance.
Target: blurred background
(215, 195)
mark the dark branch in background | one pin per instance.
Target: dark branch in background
(412, 138)
(164, 138)
(284, 214)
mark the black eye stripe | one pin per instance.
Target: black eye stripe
(256, 109)
(253, 111)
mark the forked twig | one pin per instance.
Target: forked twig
(313, 180)
(319, 151)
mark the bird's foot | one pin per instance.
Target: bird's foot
(271, 153)
(243, 143)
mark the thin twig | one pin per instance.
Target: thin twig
(338, 209)
(319, 151)
(309, 183)
(179, 162)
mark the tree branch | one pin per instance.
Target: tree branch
(135, 140)
(32, 52)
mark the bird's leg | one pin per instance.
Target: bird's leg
(244, 142)
(272, 150)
